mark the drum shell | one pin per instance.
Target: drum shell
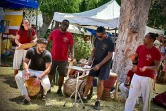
(70, 87)
(31, 89)
(111, 81)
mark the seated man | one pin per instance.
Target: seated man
(124, 87)
(6, 47)
(40, 65)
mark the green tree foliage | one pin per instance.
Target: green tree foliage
(156, 17)
(82, 49)
(64, 6)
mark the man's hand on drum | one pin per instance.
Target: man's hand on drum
(36, 82)
(26, 75)
(96, 67)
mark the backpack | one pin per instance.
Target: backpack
(160, 99)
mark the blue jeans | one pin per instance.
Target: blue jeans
(7, 53)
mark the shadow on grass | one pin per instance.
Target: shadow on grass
(18, 100)
(9, 79)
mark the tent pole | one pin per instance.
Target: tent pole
(115, 35)
(36, 20)
(0, 45)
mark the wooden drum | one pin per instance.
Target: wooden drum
(32, 90)
(70, 87)
(108, 84)
(111, 81)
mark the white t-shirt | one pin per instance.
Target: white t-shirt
(163, 51)
(157, 44)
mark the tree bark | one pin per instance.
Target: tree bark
(46, 23)
(133, 18)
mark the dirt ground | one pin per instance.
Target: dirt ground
(10, 99)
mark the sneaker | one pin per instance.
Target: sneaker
(85, 100)
(43, 97)
(97, 105)
(26, 102)
(59, 92)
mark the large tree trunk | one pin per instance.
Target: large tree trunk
(46, 23)
(133, 18)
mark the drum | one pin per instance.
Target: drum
(108, 84)
(70, 87)
(32, 90)
(111, 81)
(161, 77)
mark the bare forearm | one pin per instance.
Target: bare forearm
(92, 55)
(48, 67)
(35, 38)
(72, 50)
(108, 57)
(17, 42)
(25, 65)
(152, 68)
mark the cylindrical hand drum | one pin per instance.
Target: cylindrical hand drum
(111, 81)
(32, 90)
(70, 87)
(108, 84)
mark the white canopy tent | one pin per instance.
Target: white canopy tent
(106, 15)
(72, 28)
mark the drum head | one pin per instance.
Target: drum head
(32, 90)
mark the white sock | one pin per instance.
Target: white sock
(85, 97)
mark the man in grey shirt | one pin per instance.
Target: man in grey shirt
(100, 57)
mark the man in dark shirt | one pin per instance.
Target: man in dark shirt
(101, 58)
(40, 65)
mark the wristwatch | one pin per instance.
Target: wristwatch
(39, 78)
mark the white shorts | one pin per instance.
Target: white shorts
(19, 56)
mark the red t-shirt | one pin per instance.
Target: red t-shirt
(130, 74)
(146, 57)
(24, 36)
(61, 42)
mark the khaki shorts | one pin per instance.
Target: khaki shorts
(19, 56)
(61, 67)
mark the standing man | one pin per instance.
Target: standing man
(158, 42)
(148, 58)
(40, 66)
(62, 41)
(101, 58)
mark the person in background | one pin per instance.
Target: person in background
(25, 34)
(124, 87)
(62, 40)
(6, 47)
(158, 42)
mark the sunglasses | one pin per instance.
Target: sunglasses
(99, 36)
(67, 25)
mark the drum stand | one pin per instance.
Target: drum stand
(76, 94)
(76, 90)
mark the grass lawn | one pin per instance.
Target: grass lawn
(11, 100)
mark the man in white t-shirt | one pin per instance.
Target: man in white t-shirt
(163, 50)
(158, 42)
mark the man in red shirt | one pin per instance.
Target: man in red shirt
(62, 41)
(149, 58)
